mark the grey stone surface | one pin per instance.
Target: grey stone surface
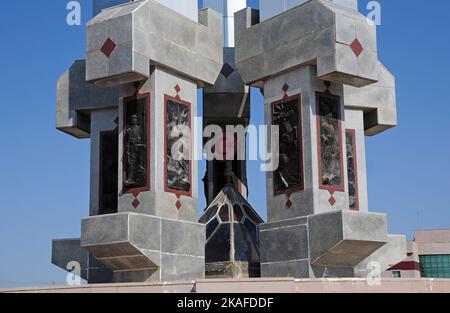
(284, 224)
(135, 246)
(387, 256)
(344, 239)
(378, 101)
(68, 250)
(183, 238)
(186, 7)
(139, 30)
(65, 251)
(294, 269)
(76, 99)
(284, 243)
(303, 35)
(182, 267)
(270, 8)
(330, 272)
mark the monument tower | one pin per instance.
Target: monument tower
(135, 97)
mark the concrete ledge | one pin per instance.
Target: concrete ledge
(315, 32)
(76, 99)
(266, 285)
(377, 101)
(139, 244)
(345, 238)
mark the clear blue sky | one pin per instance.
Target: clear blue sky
(44, 185)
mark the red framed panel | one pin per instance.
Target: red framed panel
(337, 100)
(301, 186)
(177, 192)
(351, 133)
(126, 101)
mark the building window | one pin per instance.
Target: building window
(435, 266)
(396, 274)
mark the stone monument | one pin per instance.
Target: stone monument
(135, 97)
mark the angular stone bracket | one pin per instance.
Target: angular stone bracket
(378, 101)
(129, 242)
(345, 238)
(66, 251)
(124, 41)
(76, 99)
(387, 256)
(339, 40)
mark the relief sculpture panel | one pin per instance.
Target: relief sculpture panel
(286, 114)
(330, 142)
(178, 146)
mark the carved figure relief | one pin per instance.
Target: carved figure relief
(135, 143)
(178, 164)
(329, 119)
(287, 115)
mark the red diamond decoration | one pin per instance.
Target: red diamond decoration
(108, 47)
(332, 200)
(357, 47)
(285, 87)
(178, 205)
(177, 88)
(289, 204)
(136, 203)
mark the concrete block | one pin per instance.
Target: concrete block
(378, 102)
(183, 238)
(387, 256)
(315, 32)
(182, 267)
(345, 238)
(270, 8)
(140, 247)
(294, 269)
(141, 37)
(284, 243)
(76, 99)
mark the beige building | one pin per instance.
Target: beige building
(428, 256)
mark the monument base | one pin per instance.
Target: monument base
(263, 285)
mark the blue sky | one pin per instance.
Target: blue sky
(44, 185)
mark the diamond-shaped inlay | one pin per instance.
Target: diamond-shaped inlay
(285, 87)
(108, 47)
(136, 203)
(332, 200)
(357, 47)
(289, 204)
(178, 205)
(227, 70)
(177, 88)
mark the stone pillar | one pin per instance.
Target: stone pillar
(153, 235)
(302, 62)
